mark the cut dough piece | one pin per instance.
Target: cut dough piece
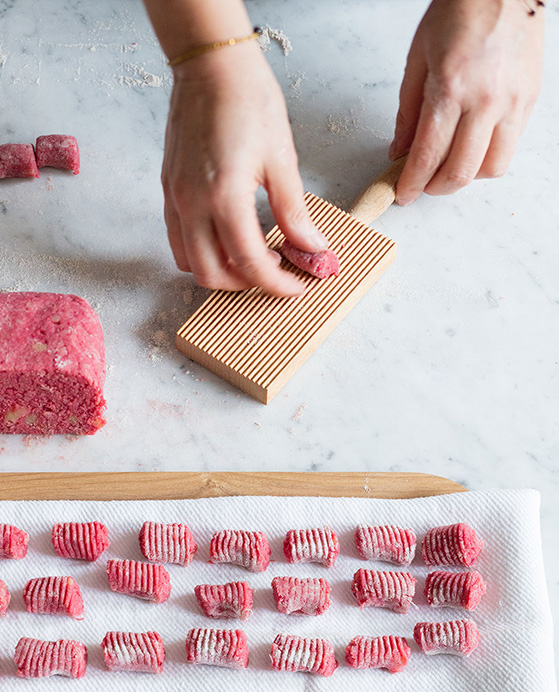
(52, 365)
(320, 264)
(18, 161)
(58, 151)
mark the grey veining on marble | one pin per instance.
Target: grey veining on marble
(450, 365)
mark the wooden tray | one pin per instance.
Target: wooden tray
(178, 485)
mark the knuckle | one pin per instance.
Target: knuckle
(179, 194)
(246, 264)
(486, 99)
(427, 160)
(458, 178)
(296, 216)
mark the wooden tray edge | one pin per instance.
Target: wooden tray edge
(183, 485)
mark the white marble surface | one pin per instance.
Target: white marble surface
(449, 365)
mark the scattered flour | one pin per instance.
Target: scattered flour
(341, 125)
(295, 85)
(137, 76)
(267, 34)
(297, 415)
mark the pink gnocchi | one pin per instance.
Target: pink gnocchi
(386, 543)
(311, 545)
(78, 541)
(459, 637)
(232, 600)
(168, 543)
(301, 596)
(300, 655)
(139, 579)
(35, 658)
(388, 652)
(249, 549)
(320, 264)
(227, 648)
(58, 151)
(13, 542)
(4, 599)
(463, 589)
(54, 596)
(456, 544)
(136, 652)
(392, 590)
(18, 161)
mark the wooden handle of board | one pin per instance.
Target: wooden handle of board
(379, 195)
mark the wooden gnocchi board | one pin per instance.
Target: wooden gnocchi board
(184, 485)
(256, 341)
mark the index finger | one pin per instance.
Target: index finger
(432, 141)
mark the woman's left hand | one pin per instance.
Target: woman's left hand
(472, 77)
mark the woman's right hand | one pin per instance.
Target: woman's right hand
(227, 134)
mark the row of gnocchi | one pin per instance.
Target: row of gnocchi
(293, 595)
(145, 653)
(456, 544)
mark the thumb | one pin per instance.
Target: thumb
(285, 193)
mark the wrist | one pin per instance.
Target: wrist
(221, 63)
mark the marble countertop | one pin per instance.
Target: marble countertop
(448, 366)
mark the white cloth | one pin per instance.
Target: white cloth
(515, 654)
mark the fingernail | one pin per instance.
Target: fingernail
(275, 256)
(404, 201)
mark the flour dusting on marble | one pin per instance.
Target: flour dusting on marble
(267, 35)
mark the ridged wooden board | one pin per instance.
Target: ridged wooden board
(256, 341)
(179, 485)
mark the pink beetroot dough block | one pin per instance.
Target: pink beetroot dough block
(52, 365)
(18, 161)
(320, 264)
(58, 151)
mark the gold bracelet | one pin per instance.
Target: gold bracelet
(200, 50)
